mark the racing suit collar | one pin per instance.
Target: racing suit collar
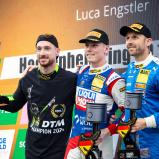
(96, 70)
(144, 63)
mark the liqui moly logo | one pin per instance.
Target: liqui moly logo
(83, 96)
(86, 94)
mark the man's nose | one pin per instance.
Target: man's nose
(130, 40)
(88, 48)
(42, 52)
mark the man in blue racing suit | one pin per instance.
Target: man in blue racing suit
(143, 75)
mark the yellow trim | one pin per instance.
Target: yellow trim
(56, 67)
(94, 33)
(138, 26)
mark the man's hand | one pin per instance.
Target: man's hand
(28, 69)
(4, 100)
(139, 125)
(112, 119)
(104, 133)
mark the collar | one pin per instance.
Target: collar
(56, 68)
(50, 75)
(144, 63)
(96, 70)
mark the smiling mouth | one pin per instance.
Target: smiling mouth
(130, 48)
(43, 58)
(90, 54)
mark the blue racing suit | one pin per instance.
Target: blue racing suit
(145, 76)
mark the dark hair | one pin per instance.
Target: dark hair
(48, 37)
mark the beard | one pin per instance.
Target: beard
(135, 51)
(45, 61)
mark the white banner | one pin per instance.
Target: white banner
(118, 57)
(6, 141)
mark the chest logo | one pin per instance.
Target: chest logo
(58, 110)
(29, 90)
(98, 81)
(143, 76)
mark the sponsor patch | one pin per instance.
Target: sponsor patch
(83, 96)
(139, 66)
(81, 83)
(112, 77)
(81, 101)
(94, 33)
(95, 71)
(140, 85)
(96, 89)
(143, 76)
(86, 94)
(98, 81)
(58, 110)
(136, 25)
(122, 89)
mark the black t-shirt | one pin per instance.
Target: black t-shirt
(49, 105)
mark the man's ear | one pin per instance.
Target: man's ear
(106, 49)
(57, 52)
(149, 41)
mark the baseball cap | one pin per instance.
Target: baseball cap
(48, 37)
(137, 28)
(96, 35)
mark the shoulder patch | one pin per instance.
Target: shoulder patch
(112, 77)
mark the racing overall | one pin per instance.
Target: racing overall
(95, 85)
(144, 76)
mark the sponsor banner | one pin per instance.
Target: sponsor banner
(20, 145)
(6, 140)
(7, 118)
(14, 66)
(118, 57)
